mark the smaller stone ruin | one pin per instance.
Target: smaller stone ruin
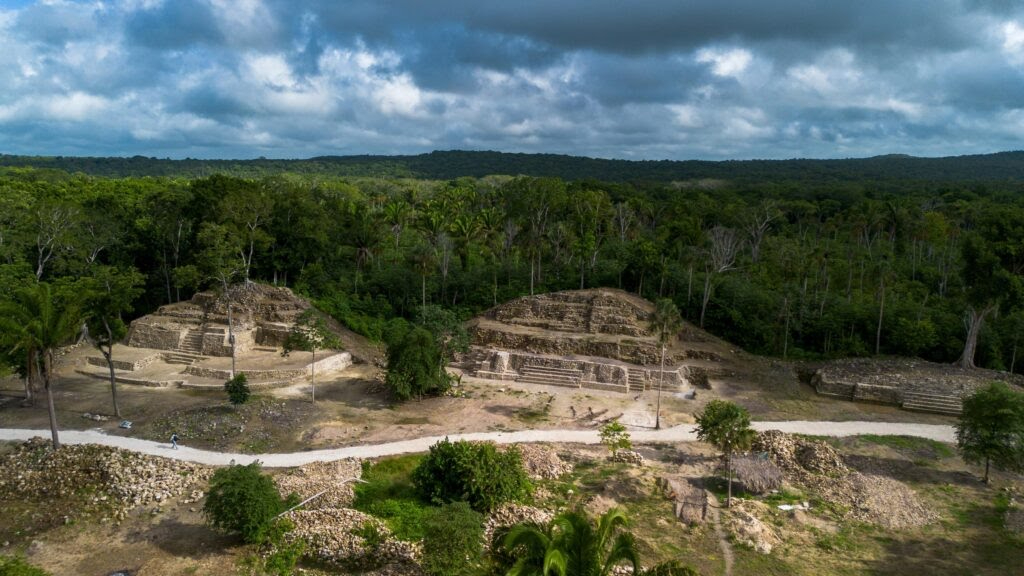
(188, 344)
(908, 383)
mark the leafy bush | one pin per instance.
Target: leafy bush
(415, 365)
(243, 501)
(453, 542)
(284, 555)
(238, 389)
(615, 437)
(472, 471)
(18, 566)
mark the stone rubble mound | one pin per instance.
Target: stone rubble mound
(542, 462)
(333, 535)
(120, 478)
(816, 466)
(327, 477)
(746, 526)
(800, 456)
(510, 514)
(628, 457)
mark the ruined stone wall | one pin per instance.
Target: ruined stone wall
(160, 337)
(632, 351)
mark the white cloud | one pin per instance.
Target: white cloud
(1013, 42)
(731, 62)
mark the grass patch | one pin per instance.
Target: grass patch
(412, 420)
(933, 448)
(389, 495)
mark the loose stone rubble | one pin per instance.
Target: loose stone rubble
(628, 456)
(334, 535)
(121, 479)
(748, 529)
(542, 462)
(818, 467)
(510, 514)
(327, 477)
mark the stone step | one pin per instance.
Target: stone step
(133, 381)
(553, 370)
(548, 380)
(921, 402)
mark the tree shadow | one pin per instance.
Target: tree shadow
(909, 470)
(184, 539)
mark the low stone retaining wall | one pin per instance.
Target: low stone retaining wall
(332, 363)
(504, 365)
(159, 337)
(125, 365)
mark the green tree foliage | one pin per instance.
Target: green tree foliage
(238, 389)
(309, 334)
(415, 366)
(666, 324)
(242, 500)
(991, 428)
(615, 437)
(37, 320)
(476, 472)
(726, 426)
(571, 545)
(111, 294)
(453, 541)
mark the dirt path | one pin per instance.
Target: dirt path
(682, 433)
(723, 540)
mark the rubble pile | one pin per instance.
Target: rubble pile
(119, 478)
(800, 457)
(542, 462)
(628, 456)
(510, 514)
(327, 477)
(746, 526)
(340, 536)
(878, 500)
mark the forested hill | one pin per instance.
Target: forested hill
(1003, 166)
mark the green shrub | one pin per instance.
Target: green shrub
(615, 437)
(18, 566)
(472, 471)
(243, 501)
(453, 543)
(238, 389)
(284, 554)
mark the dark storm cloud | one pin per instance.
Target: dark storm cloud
(643, 79)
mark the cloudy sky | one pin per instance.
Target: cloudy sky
(635, 79)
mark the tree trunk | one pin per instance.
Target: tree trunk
(657, 416)
(975, 320)
(109, 355)
(986, 469)
(312, 377)
(881, 314)
(728, 480)
(706, 298)
(30, 361)
(47, 370)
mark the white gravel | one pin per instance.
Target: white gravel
(682, 433)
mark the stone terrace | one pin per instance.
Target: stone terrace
(582, 338)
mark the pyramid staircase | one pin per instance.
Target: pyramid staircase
(551, 376)
(935, 403)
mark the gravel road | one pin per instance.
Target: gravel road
(682, 433)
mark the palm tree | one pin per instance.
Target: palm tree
(666, 323)
(571, 546)
(40, 323)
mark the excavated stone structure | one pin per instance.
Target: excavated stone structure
(260, 315)
(196, 333)
(595, 339)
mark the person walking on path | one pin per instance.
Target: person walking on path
(174, 440)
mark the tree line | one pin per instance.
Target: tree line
(796, 271)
